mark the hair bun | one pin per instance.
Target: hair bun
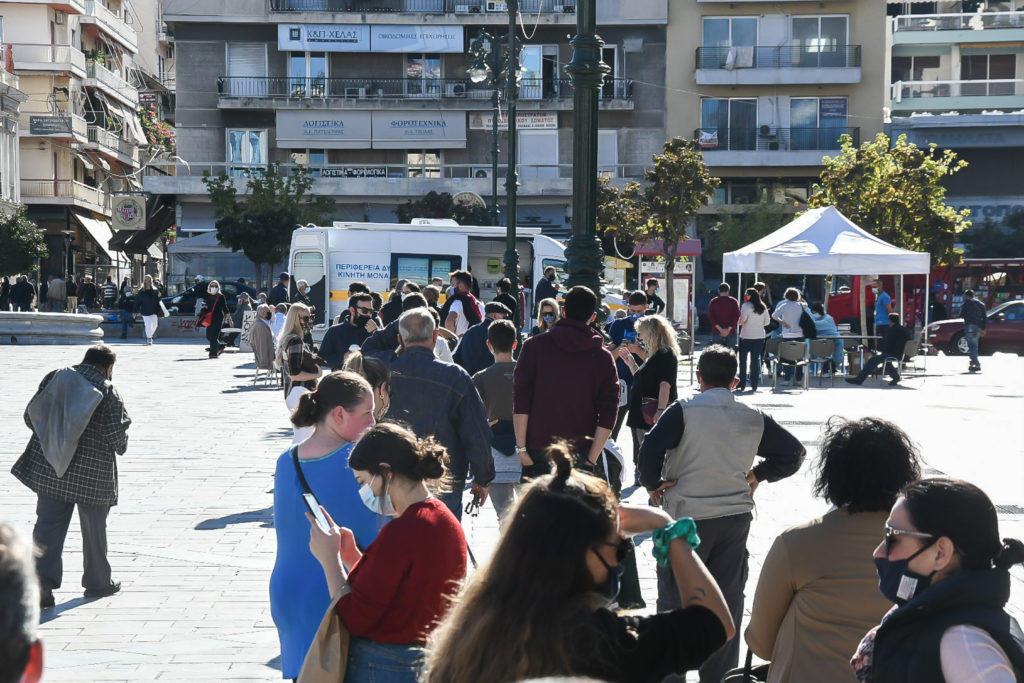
(431, 459)
(560, 452)
(1011, 553)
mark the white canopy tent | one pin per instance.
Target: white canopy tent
(825, 242)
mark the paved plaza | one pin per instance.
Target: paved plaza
(192, 537)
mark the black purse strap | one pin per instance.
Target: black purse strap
(748, 676)
(298, 471)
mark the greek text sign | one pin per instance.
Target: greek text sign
(416, 38)
(525, 120)
(323, 129)
(412, 129)
(324, 37)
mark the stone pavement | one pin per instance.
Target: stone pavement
(192, 538)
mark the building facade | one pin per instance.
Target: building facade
(11, 99)
(767, 89)
(376, 98)
(79, 134)
(957, 80)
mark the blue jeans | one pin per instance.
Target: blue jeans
(752, 348)
(973, 335)
(728, 341)
(126, 319)
(370, 662)
(453, 499)
(872, 364)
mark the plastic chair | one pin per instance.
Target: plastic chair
(770, 353)
(794, 354)
(910, 350)
(821, 353)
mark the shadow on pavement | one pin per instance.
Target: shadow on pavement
(250, 387)
(51, 613)
(275, 663)
(265, 516)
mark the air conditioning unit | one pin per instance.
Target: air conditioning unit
(568, 9)
(455, 90)
(60, 17)
(462, 9)
(497, 6)
(765, 132)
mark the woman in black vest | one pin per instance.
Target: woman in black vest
(944, 566)
(217, 306)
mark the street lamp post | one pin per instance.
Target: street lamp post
(584, 256)
(486, 67)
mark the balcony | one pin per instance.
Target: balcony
(65, 193)
(770, 146)
(777, 65)
(112, 145)
(423, 6)
(69, 6)
(48, 58)
(374, 93)
(52, 125)
(111, 24)
(97, 75)
(8, 79)
(977, 27)
(1002, 93)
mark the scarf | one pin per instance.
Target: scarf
(864, 656)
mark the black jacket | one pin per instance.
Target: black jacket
(22, 293)
(278, 295)
(472, 353)
(907, 643)
(895, 339)
(973, 312)
(147, 302)
(390, 311)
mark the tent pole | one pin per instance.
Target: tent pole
(924, 332)
(693, 322)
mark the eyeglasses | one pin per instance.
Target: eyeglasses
(892, 535)
(363, 309)
(306, 318)
(621, 549)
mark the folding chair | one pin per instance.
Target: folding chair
(821, 353)
(771, 350)
(910, 350)
(793, 354)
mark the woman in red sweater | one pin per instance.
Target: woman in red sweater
(404, 581)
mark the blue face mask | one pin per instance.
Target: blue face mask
(895, 580)
(610, 587)
(548, 318)
(382, 505)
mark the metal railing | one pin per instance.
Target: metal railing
(52, 57)
(422, 6)
(772, 139)
(975, 21)
(63, 189)
(103, 138)
(265, 87)
(114, 24)
(904, 90)
(778, 57)
(113, 81)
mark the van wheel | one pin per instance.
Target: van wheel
(958, 346)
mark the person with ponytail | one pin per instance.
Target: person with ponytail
(754, 321)
(540, 606)
(339, 411)
(944, 566)
(301, 366)
(376, 373)
(404, 581)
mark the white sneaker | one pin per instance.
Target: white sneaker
(149, 341)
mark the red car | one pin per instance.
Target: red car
(1004, 332)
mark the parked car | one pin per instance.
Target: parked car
(1004, 332)
(185, 303)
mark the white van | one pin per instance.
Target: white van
(379, 254)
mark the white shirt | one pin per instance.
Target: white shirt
(789, 312)
(752, 324)
(970, 655)
(276, 326)
(461, 322)
(442, 352)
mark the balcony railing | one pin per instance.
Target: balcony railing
(49, 57)
(975, 21)
(422, 6)
(62, 189)
(771, 139)
(113, 81)
(260, 87)
(777, 57)
(112, 23)
(1000, 87)
(103, 138)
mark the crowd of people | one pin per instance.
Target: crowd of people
(409, 405)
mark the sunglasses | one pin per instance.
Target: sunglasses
(306, 318)
(892, 535)
(621, 549)
(363, 309)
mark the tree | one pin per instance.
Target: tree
(662, 209)
(261, 224)
(729, 231)
(442, 205)
(895, 193)
(992, 240)
(21, 243)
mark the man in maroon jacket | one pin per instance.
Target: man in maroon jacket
(565, 386)
(723, 313)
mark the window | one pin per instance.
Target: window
(307, 74)
(728, 124)
(538, 154)
(539, 72)
(985, 68)
(719, 37)
(425, 163)
(247, 69)
(923, 68)
(2, 30)
(608, 153)
(820, 41)
(247, 147)
(423, 75)
(420, 268)
(816, 122)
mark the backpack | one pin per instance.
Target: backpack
(807, 325)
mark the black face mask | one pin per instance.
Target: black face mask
(360, 320)
(551, 277)
(895, 580)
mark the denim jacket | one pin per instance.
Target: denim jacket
(439, 399)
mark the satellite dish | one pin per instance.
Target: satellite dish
(471, 199)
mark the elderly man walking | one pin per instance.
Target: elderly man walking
(439, 399)
(79, 425)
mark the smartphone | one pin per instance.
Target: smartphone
(629, 337)
(318, 514)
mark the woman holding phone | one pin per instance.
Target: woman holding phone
(340, 410)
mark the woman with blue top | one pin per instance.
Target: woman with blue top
(825, 326)
(340, 410)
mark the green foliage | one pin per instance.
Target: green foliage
(441, 205)
(730, 231)
(260, 225)
(895, 193)
(990, 240)
(159, 133)
(21, 243)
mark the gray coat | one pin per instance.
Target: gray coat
(91, 477)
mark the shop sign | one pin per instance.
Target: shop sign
(129, 212)
(525, 120)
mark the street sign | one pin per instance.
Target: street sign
(49, 125)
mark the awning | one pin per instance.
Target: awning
(154, 252)
(97, 158)
(99, 231)
(132, 128)
(160, 217)
(86, 160)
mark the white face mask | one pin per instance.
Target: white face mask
(874, 290)
(382, 505)
(213, 290)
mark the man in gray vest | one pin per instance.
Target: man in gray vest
(697, 462)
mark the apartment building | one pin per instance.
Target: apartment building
(79, 134)
(11, 98)
(155, 61)
(767, 89)
(376, 98)
(957, 80)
